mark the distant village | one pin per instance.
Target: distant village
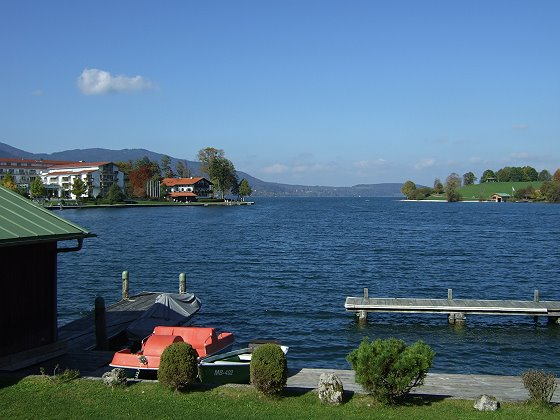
(70, 180)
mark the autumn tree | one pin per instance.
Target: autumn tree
(9, 182)
(452, 185)
(142, 171)
(408, 189)
(556, 175)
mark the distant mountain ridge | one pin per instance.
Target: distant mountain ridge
(260, 188)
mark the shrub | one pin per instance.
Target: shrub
(389, 369)
(269, 371)
(178, 366)
(65, 376)
(540, 385)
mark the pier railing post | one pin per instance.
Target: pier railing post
(125, 284)
(449, 294)
(362, 315)
(100, 324)
(182, 283)
(537, 295)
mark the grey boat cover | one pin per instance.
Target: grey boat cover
(169, 309)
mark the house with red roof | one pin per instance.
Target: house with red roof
(187, 189)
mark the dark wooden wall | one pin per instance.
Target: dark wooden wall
(28, 298)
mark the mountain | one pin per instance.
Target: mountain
(260, 188)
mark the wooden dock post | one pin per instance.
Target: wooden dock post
(536, 298)
(449, 294)
(362, 315)
(125, 285)
(100, 324)
(182, 283)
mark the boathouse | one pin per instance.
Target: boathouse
(500, 197)
(187, 189)
(29, 246)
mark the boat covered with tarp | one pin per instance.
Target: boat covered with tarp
(169, 309)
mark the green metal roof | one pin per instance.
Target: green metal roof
(22, 221)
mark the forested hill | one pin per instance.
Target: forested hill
(260, 188)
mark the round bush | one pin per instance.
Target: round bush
(389, 369)
(178, 366)
(269, 370)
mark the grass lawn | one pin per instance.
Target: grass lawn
(38, 397)
(484, 191)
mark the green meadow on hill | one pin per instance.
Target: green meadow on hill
(484, 191)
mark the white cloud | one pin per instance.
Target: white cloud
(520, 155)
(99, 82)
(425, 163)
(365, 164)
(276, 168)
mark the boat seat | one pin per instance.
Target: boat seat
(155, 344)
(197, 337)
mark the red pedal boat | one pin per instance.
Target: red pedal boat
(206, 342)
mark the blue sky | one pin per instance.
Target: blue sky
(311, 92)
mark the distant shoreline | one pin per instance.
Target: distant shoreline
(194, 204)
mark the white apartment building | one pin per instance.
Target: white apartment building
(98, 177)
(24, 171)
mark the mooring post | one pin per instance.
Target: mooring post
(362, 315)
(182, 283)
(125, 284)
(537, 295)
(457, 318)
(449, 294)
(100, 324)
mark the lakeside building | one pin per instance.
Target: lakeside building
(98, 177)
(29, 237)
(24, 171)
(500, 197)
(187, 189)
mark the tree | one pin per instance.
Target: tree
(487, 174)
(556, 175)
(206, 156)
(115, 195)
(182, 169)
(530, 174)
(142, 171)
(438, 186)
(79, 188)
(244, 189)
(37, 188)
(452, 185)
(469, 178)
(550, 191)
(544, 175)
(166, 167)
(408, 189)
(9, 182)
(222, 174)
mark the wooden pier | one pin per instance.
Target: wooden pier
(456, 309)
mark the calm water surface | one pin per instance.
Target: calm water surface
(282, 269)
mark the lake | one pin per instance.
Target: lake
(282, 268)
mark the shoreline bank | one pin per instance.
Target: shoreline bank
(193, 204)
